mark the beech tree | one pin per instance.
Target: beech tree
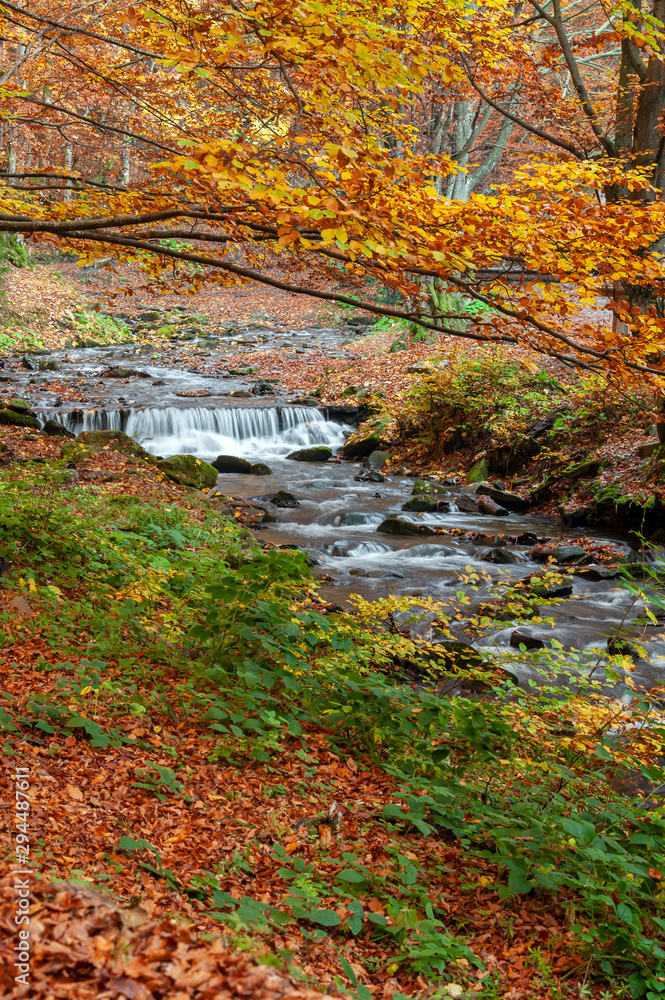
(280, 145)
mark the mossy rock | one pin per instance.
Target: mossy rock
(19, 405)
(113, 441)
(189, 471)
(18, 419)
(478, 472)
(429, 489)
(75, 452)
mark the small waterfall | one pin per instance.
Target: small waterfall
(210, 431)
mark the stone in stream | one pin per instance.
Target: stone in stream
(283, 499)
(19, 405)
(189, 471)
(118, 372)
(419, 503)
(378, 459)
(467, 503)
(29, 363)
(431, 489)
(233, 465)
(55, 429)
(318, 453)
(91, 443)
(518, 639)
(370, 477)
(502, 556)
(395, 526)
(49, 366)
(559, 553)
(510, 500)
(596, 573)
(359, 445)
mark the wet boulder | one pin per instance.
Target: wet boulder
(317, 453)
(55, 429)
(465, 502)
(232, 464)
(283, 499)
(117, 371)
(396, 526)
(187, 470)
(502, 556)
(369, 477)
(558, 553)
(378, 459)
(49, 366)
(430, 489)
(260, 469)
(518, 639)
(29, 363)
(359, 445)
(421, 502)
(19, 406)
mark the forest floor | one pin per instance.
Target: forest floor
(182, 798)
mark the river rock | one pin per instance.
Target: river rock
(231, 464)
(347, 414)
(596, 573)
(189, 471)
(518, 639)
(318, 453)
(19, 405)
(487, 506)
(559, 553)
(283, 499)
(536, 586)
(29, 363)
(467, 503)
(260, 469)
(478, 472)
(369, 477)
(359, 445)
(55, 429)
(510, 500)
(419, 503)
(395, 526)
(118, 372)
(431, 489)
(378, 459)
(502, 556)
(49, 366)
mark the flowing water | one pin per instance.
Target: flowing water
(338, 515)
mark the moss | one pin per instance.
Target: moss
(189, 471)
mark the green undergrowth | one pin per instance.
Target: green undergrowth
(520, 779)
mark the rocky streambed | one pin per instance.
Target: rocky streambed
(365, 530)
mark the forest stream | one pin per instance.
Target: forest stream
(343, 514)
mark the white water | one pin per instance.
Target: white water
(249, 432)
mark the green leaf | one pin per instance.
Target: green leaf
(327, 918)
(517, 883)
(130, 844)
(349, 875)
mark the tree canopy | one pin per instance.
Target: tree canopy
(483, 173)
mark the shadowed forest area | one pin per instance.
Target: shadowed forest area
(332, 535)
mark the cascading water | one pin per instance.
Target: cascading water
(210, 431)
